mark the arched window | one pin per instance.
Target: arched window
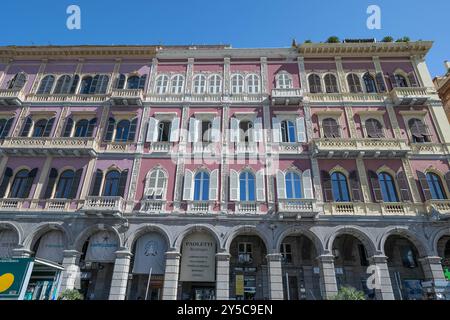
(86, 84)
(287, 131)
(111, 187)
(293, 185)
(401, 81)
(436, 188)
(22, 184)
(177, 84)
(156, 184)
(81, 129)
(330, 128)
(214, 84)
(387, 185)
(237, 84)
(136, 82)
(162, 83)
(354, 84)
(247, 186)
(370, 83)
(99, 84)
(63, 84)
(42, 128)
(201, 186)
(284, 80)
(374, 128)
(340, 187)
(18, 82)
(120, 81)
(122, 131)
(252, 83)
(5, 127)
(164, 131)
(46, 85)
(245, 129)
(64, 186)
(314, 84)
(419, 131)
(331, 85)
(200, 84)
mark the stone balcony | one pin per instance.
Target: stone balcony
(410, 96)
(339, 98)
(286, 96)
(72, 98)
(9, 97)
(161, 147)
(104, 205)
(127, 97)
(200, 207)
(430, 148)
(246, 148)
(287, 148)
(246, 207)
(297, 208)
(206, 98)
(118, 147)
(350, 148)
(441, 206)
(373, 209)
(149, 206)
(206, 148)
(49, 146)
(15, 204)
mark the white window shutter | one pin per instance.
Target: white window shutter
(258, 131)
(301, 133)
(188, 191)
(152, 133)
(193, 130)
(307, 185)
(214, 185)
(276, 131)
(260, 186)
(281, 185)
(234, 185)
(175, 130)
(234, 132)
(215, 134)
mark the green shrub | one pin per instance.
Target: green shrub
(349, 293)
(70, 294)
(388, 39)
(404, 39)
(333, 39)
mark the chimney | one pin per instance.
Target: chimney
(447, 65)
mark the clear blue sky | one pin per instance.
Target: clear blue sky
(241, 23)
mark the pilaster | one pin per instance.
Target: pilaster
(275, 276)
(382, 280)
(328, 285)
(171, 276)
(152, 77)
(88, 177)
(37, 79)
(342, 81)
(222, 276)
(226, 76)
(264, 76)
(411, 180)
(364, 182)
(350, 121)
(120, 275)
(189, 76)
(302, 72)
(42, 179)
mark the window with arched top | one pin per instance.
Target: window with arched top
(18, 81)
(237, 84)
(86, 84)
(287, 131)
(400, 80)
(419, 131)
(283, 80)
(388, 189)
(199, 84)
(66, 84)
(293, 185)
(42, 128)
(339, 187)
(370, 83)
(64, 186)
(330, 128)
(247, 186)
(436, 188)
(331, 85)
(252, 82)
(22, 183)
(5, 127)
(164, 128)
(354, 84)
(136, 82)
(155, 184)
(111, 187)
(201, 186)
(162, 82)
(214, 84)
(46, 85)
(374, 129)
(120, 81)
(315, 86)
(81, 128)
(177, 84)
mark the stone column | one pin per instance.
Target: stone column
(432, 268)
(275, 276)
(71, 274)
(328, 285)
(43, 177)
(222, 276)
(382, 282)
(21, 253)
(120, 275)
(171, 276)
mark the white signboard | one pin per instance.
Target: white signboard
(150, 253)
(8, 240)
(51, 247)
(102, 247)
(198, 258)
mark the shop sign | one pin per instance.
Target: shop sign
(198, 260)
(51, 247)
(102, 247)
(239, 284)
(14, 276)
(150, 254)
(8, 240)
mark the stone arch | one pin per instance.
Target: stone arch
(16, 228)
(239, 230)
(421, 245)
(147, 228)
(436, 237)
(301, 231)
(42, 229)
(85, 234)
(196, 228)
(356, 232)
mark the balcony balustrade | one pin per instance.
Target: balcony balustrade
(161, 147)
(11, 97)
(8, 204)
(430, 148)
(150, 206)
(119, 147)
(297, 208)
(287, 148)
(246, 207)
(373, 209)
(410, 96)
(369, 148)
(72, 98)
(127, 97)
(49, 146)
(247, 148)
(345, 97)
(286, 96)
(441, 206)
(104, 205)
(203, 207)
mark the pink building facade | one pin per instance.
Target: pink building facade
(292, 170)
